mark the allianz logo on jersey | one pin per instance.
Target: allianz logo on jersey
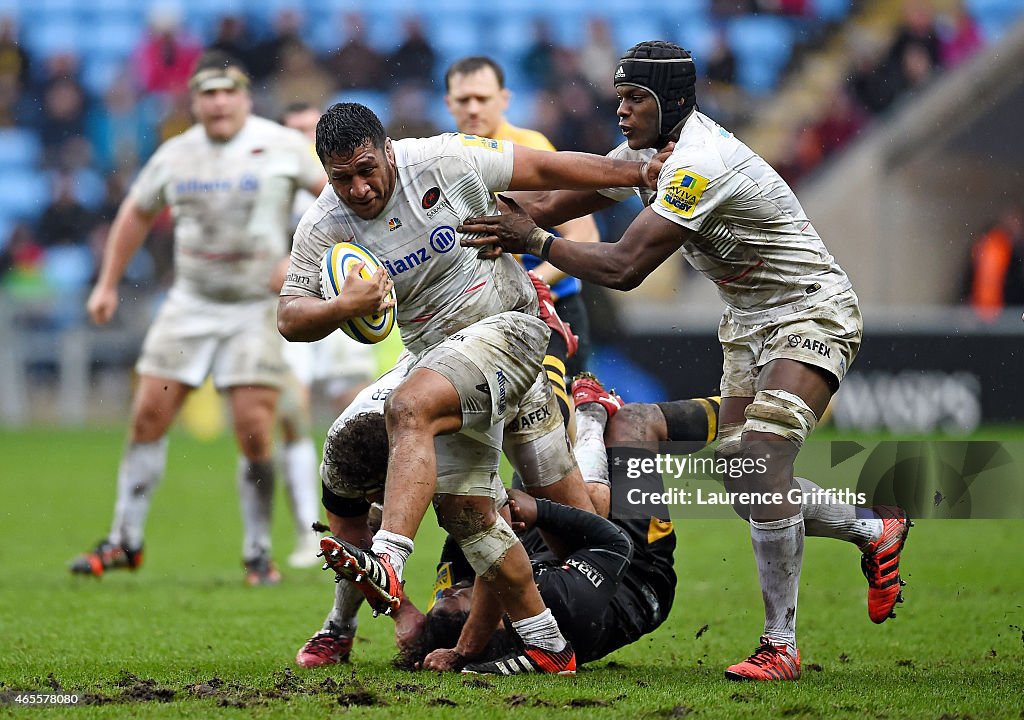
(190, 186)
(442, 240)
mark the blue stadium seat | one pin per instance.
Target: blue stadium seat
(568, 21)
(696, 34)
(122, 9)
(54, 9)
(995, 17)
(112, 37)
(44, 39)
(520, 109)
(383, 30)
(19, 148)
(89, 188)
(513, 34)
(99, 72)
(68, 267)
(24, 194)
(762, 46)
(638, 28)
(373, 99)
(453, 35)
(830, 10)
(438, 113)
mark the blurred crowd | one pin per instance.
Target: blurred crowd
(89, 144)
(880, 76)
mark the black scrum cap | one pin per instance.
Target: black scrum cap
(667, 72)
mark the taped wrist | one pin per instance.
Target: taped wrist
(536, 240)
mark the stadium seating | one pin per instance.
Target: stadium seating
(24, 193)
(762, 46)
(19, 148)
(995, 17)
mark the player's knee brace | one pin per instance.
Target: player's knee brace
(780, 413)
(486, 550)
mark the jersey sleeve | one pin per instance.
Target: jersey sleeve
(492, 159)
(149, 189)
(690, 188)
(303, 277)
(624, 152)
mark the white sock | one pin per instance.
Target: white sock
(540, 631)
(591, 454)
(142, 467)
(397, 547)
(779, 551)
(256, 491)
(838, 520)
(300, 482)
(342, 621)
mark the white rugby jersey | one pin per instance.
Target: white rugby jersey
(441, 287)
(624, 152)
(231, 202)
(753, 239)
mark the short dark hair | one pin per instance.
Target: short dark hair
(442, 630)
(356, 455)
(470, 65)
(346, 126)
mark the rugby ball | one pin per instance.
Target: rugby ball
(335, 266)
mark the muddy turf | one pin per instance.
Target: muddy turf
(183, 637)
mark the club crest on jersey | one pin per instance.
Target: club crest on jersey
(683, 192)
(430, 198)
(485, 142)
(394, 224)
(442, 239)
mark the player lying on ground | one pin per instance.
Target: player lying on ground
(611, 583)
(355, 464)
(790, 331)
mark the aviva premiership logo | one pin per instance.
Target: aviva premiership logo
(476, 140)
(683, 192)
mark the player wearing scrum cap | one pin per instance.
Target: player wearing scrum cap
(229, 182)
(791, 328)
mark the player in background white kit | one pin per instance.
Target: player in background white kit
(791, 328)
(471, 323)
(338, 365)
(229, 181)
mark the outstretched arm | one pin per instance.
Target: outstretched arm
(542, 170)
(555, 207)
(621, 265)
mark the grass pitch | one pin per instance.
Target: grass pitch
(184, 638)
